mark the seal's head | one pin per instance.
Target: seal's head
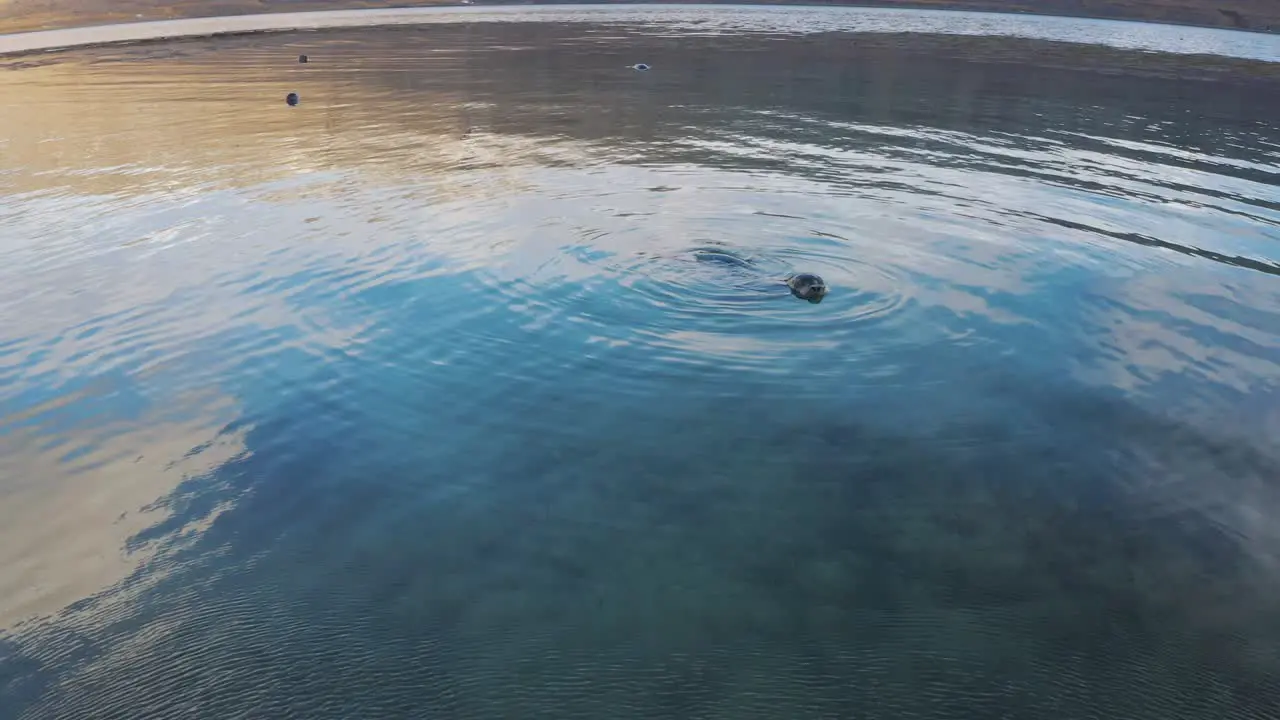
(807, 286)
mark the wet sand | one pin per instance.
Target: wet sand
(35, 15)
(128, 32)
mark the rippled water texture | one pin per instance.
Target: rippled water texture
(418, 400)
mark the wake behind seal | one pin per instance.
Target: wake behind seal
(723, 257)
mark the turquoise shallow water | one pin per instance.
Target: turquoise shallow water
(413, 401)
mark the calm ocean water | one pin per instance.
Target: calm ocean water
(413, 401)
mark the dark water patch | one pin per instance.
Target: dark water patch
(897, 570)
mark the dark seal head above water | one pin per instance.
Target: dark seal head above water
(807, 286)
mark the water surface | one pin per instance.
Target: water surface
(413, 400)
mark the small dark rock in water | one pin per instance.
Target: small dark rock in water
(302, 58)
(291, 98)
(640, 66)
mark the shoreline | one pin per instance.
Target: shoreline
(1016, 24)
(17, 19)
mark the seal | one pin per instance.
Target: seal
(807, 286)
